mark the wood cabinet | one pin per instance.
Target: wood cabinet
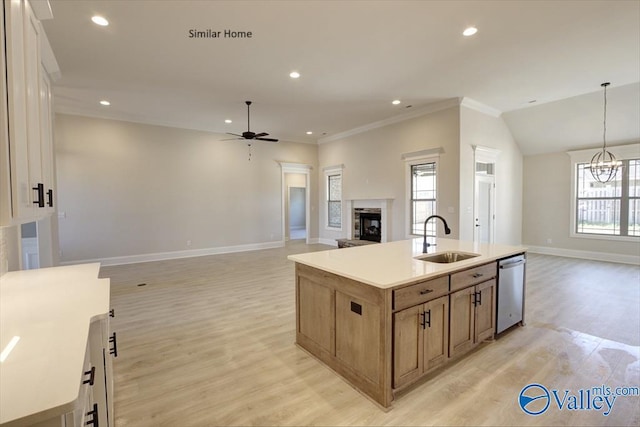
(345, 324)
(316, 305)
(358, 339)
(472, 317)
(26, 152)
(421, 340)
(383, 339)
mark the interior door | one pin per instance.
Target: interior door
(484, 207)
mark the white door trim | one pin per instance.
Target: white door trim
(297, 168)
(485, 155)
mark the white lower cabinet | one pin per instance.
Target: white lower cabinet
(94, 406)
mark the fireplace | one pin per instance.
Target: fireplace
(367, 224)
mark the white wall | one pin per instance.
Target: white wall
(481, 129)
(547, 210)
(374, 168)
(129, 189)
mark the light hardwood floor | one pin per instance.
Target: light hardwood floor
(209, 341)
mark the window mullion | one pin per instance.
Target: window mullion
(624, 202)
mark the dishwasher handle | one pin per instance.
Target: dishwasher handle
(511, 264)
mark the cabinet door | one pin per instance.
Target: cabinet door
(46, 133)
(32, 81)
(485, 311)
(461, 338)
(436, 333)
(358, 335)
(316, 305)
(407, 345)
(18, 206)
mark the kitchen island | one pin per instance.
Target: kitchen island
(383, 318)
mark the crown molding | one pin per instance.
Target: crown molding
(478, 106)
(428, 109)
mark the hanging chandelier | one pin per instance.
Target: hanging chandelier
(604, 165)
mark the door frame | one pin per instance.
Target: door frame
(485, 155)
(491, 180)
(296, 168)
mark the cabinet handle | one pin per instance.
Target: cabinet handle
(40, 200)
(92, 376)
(113, 350)
(479, 297)
(50, 198)
(94, 416)
(426, 291)
(422, 322)
(475, 299)
(427, 318)
(475, 276)
(112, 313)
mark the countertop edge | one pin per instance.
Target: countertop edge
(444, 269)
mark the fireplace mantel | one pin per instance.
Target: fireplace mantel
(385, 215)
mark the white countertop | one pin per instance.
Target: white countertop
(388, 265)
(50, 309)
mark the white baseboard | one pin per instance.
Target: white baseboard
(133, 259)
(596, 256)
(330, 242)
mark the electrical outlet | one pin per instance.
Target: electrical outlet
(188, 242)
(549, 241)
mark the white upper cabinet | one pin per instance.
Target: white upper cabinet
(26, 145)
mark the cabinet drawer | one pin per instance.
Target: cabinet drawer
(420, 292)
(473, 276)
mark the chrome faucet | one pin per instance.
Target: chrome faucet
(447, 230)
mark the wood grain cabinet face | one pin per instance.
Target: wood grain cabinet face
(358, 337)
(317, 316)
(421, 340)
(462, 321)
(472, 317)
(485, 311)
(420, 292)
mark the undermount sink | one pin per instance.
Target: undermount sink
(446, 257)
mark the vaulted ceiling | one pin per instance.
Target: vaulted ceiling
(539, 63)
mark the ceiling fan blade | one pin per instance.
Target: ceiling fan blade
(267, 139)
(232, 139)
(260, 135)
(235, 134)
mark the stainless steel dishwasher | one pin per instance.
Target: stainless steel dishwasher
(510, 304)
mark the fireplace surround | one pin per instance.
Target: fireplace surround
(382, 223)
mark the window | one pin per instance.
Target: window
(423, 197)
(611, 208)
(334, 198)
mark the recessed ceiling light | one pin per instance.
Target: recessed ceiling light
(470, 31)
(228, 121)
(105, 103)
(309, 132)
(396, 102)
(294, 75)
(99, 20)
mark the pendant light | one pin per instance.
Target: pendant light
(604, 165)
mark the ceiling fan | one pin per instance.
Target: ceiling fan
(248, 135)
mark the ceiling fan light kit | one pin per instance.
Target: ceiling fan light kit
(604, 166)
